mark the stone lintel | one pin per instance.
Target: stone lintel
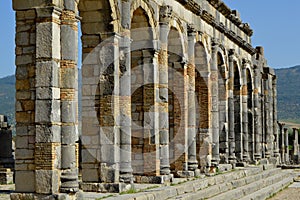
(25, 5)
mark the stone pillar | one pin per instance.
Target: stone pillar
(25, 97)
(257, 114)
(151, 121)
(215, 106)
(282, 143)
(47, 105)
(286, 145)
(275, 126)
(296, 146)
(69, 97)
(267, 116)
(165, 16)
(231, 138)
(244, 95)
(192, 155)
(125, 97)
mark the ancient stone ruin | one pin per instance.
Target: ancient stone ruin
(6, 152)
(171, 88)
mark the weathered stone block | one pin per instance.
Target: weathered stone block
(47, 181)
(21, 142)
(24, 154)
(24, 59)
(24, 5)
(47, 74)
(22, 38)
(69, 111)
(25, 181)
(47, 111)
(69, 134)
(48, 133)
(90, 175)
(47, 93)
(48, 40)
(68, 156)
(69, 43)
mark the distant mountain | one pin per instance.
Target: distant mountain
(288, 87)
(7, 97)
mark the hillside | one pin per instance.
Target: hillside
(288, 95)
(7, 97)
(288, 87)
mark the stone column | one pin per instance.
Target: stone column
(244, 94)
(267, 115)
(215, 105)
(231, 137)
(69, 97)
(296, 146)
(192, 155)
(257, 114)
(165, 16)
(275, 126)
(286, 145)
(125, 97)
(151, 121)
(282, 148)
(271, 110)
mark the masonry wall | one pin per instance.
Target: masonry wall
(169, 89)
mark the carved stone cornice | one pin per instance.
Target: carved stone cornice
(231, 15)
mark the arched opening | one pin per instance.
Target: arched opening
(223, 130)
(237, 113)
(202, 105)
(176, 96)
(250, 114)
(143, 95)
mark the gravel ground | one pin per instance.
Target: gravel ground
(290, 193)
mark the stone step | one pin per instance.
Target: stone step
(261, 183)
(250, 176)
(268, 191)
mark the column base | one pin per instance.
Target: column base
(106, 187)
(161, 179)
(33, 196)
(185, 174)
(225, 167)
(257, 156)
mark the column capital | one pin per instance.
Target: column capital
(191, 30)
(165, 14)
(245, 62)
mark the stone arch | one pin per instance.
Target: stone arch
(148, 11)
(176, 25)
(99, 17)
(202, 103)
(176, 96)
(143, 95)
(237, 84)
(223, 107)
(250, 111)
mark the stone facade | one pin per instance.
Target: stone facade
(170, 88)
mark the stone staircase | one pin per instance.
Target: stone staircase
(253, 182)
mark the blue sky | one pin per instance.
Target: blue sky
(276, 26)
